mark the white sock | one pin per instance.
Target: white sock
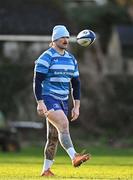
(71, 152)
(47, 164)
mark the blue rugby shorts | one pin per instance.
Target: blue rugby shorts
(56, 104)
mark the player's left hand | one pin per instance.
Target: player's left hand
(75, 113)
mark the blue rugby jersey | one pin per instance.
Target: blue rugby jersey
(58, 70)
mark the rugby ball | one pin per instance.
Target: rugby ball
(86, 37)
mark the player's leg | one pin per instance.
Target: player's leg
(50, 149)
(52, 141)
(60, 121)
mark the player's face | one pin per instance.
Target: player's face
(62, 43)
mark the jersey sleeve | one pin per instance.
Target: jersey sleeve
(76, 70)
(42, 63)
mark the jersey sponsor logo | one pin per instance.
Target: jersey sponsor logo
(63, 73)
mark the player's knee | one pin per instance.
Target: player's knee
(64, 126)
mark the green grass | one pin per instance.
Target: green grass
(106, 163)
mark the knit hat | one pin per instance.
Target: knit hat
(59, 31)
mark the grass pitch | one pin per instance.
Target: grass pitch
(106, 164)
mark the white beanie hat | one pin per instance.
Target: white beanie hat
(59, 31)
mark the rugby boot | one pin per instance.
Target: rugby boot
(47, 173)
(79, 159)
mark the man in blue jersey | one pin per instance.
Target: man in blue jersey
(56, 71)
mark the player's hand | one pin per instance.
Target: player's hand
(41, 109)
(75, 113)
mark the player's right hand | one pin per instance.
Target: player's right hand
(41, 109)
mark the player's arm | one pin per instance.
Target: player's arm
(37, 88)
(75, 82)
